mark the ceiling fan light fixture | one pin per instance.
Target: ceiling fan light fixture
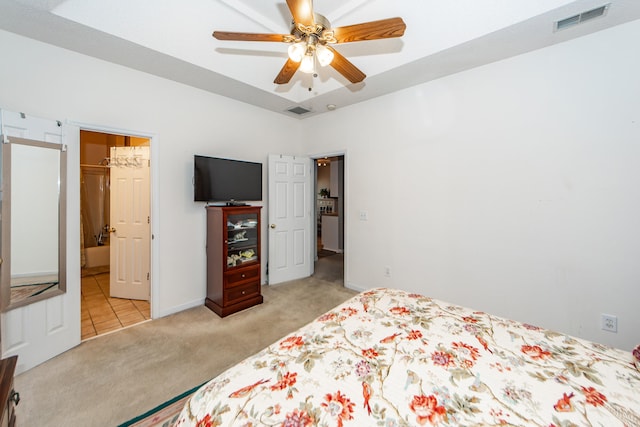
(325, 56)
(310, 37)
(308, 63)
(297, 51)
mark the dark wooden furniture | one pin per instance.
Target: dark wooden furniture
(8, 395)
(233, 258)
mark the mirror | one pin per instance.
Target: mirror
(33, 221)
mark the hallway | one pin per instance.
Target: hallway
(329, 267)
(101, 313)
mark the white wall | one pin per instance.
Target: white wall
(48, 82)
(511, 188)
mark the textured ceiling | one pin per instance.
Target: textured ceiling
(173, 40)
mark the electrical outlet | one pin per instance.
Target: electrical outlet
(387, 271)
(364, 215)
(609, 323)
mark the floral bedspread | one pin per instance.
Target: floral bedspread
(390, 358)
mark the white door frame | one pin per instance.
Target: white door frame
(345, 217)
(154, 142)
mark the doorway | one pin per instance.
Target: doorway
(329, 202)
(102, 311)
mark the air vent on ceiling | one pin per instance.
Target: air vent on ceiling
(298, 110)
(581, 17)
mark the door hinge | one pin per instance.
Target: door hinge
(148, 220)
(148, 276)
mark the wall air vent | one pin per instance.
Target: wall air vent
(581, 17)
(298, 110)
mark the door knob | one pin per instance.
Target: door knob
(112, 230)
(15, 397)
(273, 226)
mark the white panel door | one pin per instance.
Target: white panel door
(130, 239)
(290, 219)
(42, 330)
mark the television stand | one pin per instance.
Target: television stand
(233, 258)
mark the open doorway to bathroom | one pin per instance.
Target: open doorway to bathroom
(329, 190)
(102, 311)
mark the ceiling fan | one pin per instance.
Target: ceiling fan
(310, 39)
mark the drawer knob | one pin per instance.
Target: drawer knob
(243, 292)
(243, 276)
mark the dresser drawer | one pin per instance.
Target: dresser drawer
(239, 293)
(242, 276)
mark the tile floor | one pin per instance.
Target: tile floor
(101, 313)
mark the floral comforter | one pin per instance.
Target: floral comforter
(390, 358)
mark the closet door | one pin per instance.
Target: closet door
(41, 330)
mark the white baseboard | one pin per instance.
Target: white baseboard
(179, 308)
(354, 287)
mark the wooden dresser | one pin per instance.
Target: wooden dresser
(8, 395)
(233, 258)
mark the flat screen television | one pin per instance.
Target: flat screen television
(224, 180)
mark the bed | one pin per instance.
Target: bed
(391, 358)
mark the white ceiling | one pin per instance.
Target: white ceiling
(172, 39)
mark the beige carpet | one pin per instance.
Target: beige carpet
(111, 379)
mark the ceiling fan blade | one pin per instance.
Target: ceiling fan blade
(346, 68)
(289, 69)
(249, 37)
(302, 11)
(383, 29)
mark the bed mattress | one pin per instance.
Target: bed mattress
(391, 358)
